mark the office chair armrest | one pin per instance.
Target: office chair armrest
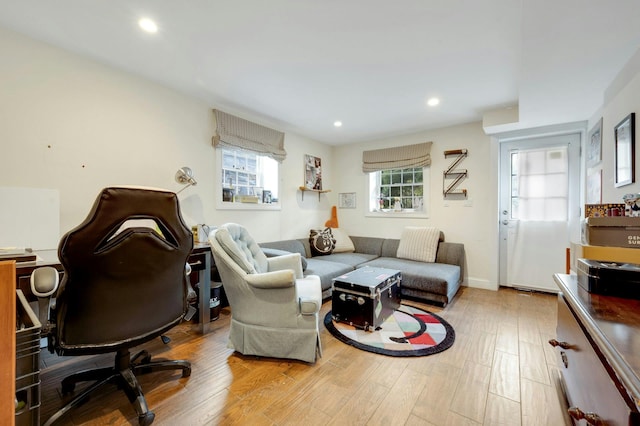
(286, 261)
(275, 279)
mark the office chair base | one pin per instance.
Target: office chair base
(123, 374)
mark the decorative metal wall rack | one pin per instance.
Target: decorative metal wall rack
(452, 177)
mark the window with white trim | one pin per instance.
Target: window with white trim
(398, 191)
(247, 179)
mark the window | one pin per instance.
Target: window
(540, 184)
(247, 180)
(398, 191)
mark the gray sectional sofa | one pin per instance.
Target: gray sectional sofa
(432, 282)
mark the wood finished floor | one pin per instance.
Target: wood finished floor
(500, 371)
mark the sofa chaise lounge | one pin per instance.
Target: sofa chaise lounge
(437, 282)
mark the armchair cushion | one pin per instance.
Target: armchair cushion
(272, 252)
(242, 248)
(274, 279)
(286, 261)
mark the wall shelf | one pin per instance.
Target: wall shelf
(319, 191)
(451, 178)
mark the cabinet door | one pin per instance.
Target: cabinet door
(587, 382)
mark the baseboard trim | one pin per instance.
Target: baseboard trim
(480, 283)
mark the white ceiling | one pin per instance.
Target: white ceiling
(300, 65)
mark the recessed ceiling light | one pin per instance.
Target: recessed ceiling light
(337, 123)
(433, 101)
(148, 25)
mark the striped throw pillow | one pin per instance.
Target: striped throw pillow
(419, 243)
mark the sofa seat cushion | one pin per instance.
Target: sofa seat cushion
(435, 278)
(327, 271)
(351, 259)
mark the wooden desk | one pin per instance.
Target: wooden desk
(599, 348)
(200, 261)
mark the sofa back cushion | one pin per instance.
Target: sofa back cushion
(368, 245)
(390, 247)
(343, 242)
(292, 246)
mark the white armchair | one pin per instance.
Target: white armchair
(274, 309)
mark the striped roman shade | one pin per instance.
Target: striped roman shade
(236, 132)
(400, 157)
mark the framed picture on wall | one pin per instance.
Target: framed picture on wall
(625, 151)
(312, 172)
(594, 145)
(347, 200)
(594, 187)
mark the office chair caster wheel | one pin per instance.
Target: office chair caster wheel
(186, 372)
(146, 418)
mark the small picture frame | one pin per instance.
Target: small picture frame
(594, 145)
(625, 151)
(347, 200)
(594, 187)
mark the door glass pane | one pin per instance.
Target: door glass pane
(539, 184)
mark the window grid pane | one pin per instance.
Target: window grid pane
(400, 185)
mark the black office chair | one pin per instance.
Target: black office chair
(124, 284)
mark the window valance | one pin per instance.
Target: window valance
(400, 157)
(236, 132)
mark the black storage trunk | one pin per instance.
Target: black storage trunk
(609, 278)
(366, 297)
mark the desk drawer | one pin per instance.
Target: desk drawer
(197, 261)
(588, 384)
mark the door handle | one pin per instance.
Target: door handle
(505, 222)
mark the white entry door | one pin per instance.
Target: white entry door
(539, 188)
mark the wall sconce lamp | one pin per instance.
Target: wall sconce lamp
(184, 176)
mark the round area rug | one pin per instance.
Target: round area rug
(410, 331)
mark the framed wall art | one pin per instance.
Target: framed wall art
(625, 151)
(594, 187)
(594, 145)
(347, 200)
(312, 172)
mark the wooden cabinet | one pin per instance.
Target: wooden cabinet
(598, 342)
(7, 342)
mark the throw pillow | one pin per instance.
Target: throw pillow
(321, 242)
(419, 243)
(343, 242)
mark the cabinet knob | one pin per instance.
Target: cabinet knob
(591, 418)
(563, 345)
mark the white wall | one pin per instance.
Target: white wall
(621, 98)
(471, 224)
(76, 126)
